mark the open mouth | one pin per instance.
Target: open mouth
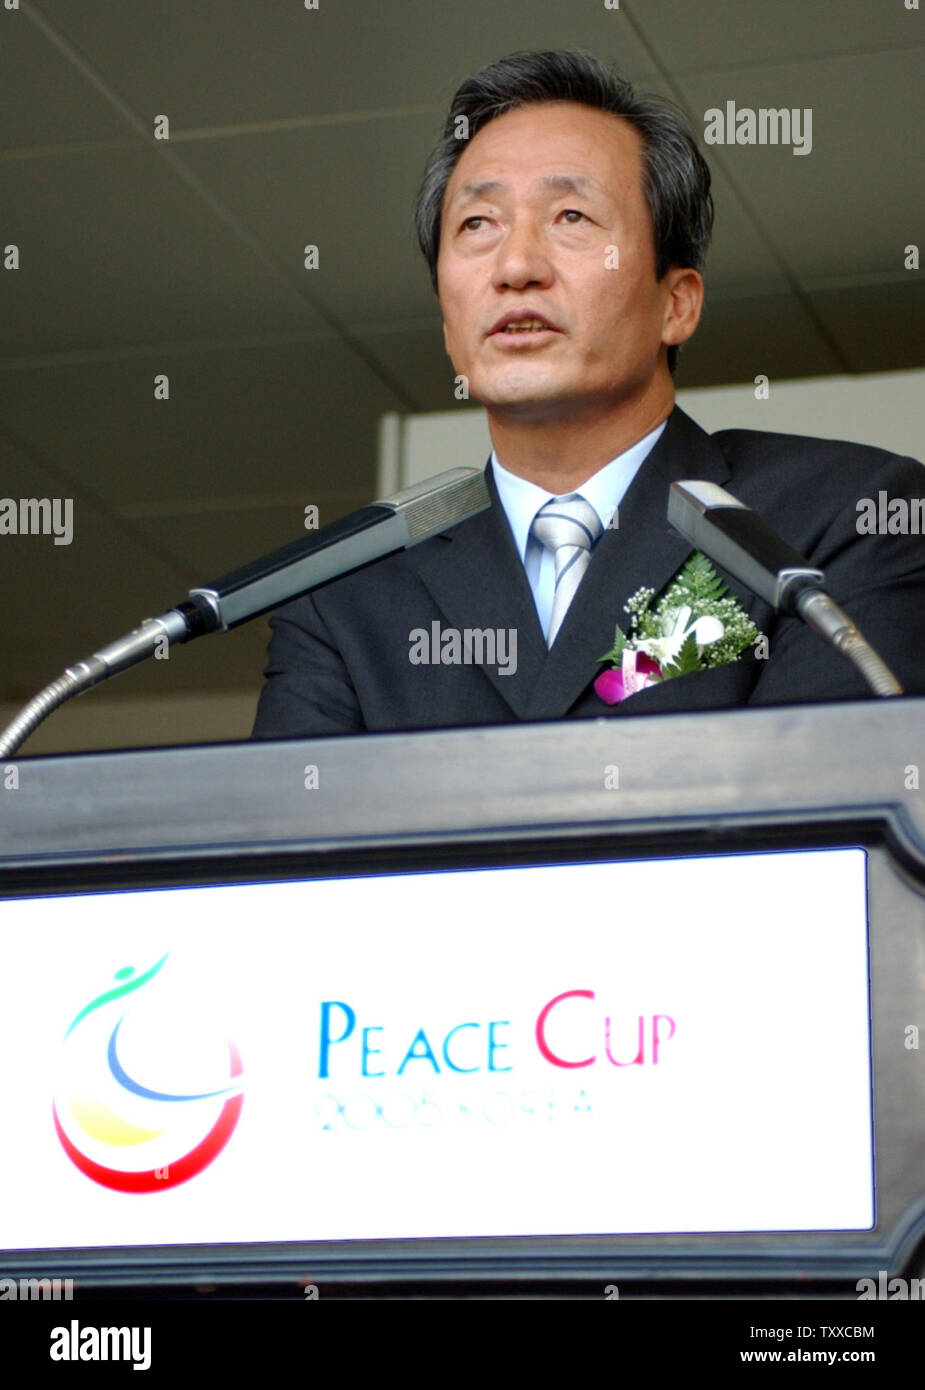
(527, 326)
(523, 330)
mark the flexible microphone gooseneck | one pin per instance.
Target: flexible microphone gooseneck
(383, 528)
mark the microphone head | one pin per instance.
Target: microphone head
(734, 537)
(440, 502)
(689, 500)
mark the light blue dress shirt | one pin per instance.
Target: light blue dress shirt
(521, 501)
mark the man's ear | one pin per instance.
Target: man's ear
(683, 306)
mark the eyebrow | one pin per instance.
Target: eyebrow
(556, 183)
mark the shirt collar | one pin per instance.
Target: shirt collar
(605, 489)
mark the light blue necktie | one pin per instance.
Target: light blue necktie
(569, 527)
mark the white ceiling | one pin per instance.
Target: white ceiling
(290, 126)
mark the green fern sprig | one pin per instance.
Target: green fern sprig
(686, 662)
(699, 578)
(615, 655)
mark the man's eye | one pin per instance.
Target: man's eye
(470, 220)
(572, 212)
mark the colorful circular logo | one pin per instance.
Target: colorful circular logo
(135, 1137)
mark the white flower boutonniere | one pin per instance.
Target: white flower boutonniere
(694, 625)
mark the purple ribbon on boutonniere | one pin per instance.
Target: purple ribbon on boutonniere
(635, 672)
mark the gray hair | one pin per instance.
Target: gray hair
(676, 179)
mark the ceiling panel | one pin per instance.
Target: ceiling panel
(44, 99)
(689, 37)
(278, 419)
(419, 356)
(242, 61)
(740, 338)
(853, 202)
(348, 189)
(879, 327)
(62, 602)
(116, 249)
(740, 260)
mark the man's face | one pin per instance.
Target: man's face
(563, 230)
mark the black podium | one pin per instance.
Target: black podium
(104, 839)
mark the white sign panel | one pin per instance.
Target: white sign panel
(671, 1046)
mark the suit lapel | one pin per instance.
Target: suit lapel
(644, 550)
(477, 578)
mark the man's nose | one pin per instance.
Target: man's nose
(522, 257)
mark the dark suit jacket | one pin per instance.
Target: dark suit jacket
(339, 657)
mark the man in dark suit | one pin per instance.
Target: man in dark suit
(565, 221)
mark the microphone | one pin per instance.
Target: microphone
(736, 538)
(383, 528)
